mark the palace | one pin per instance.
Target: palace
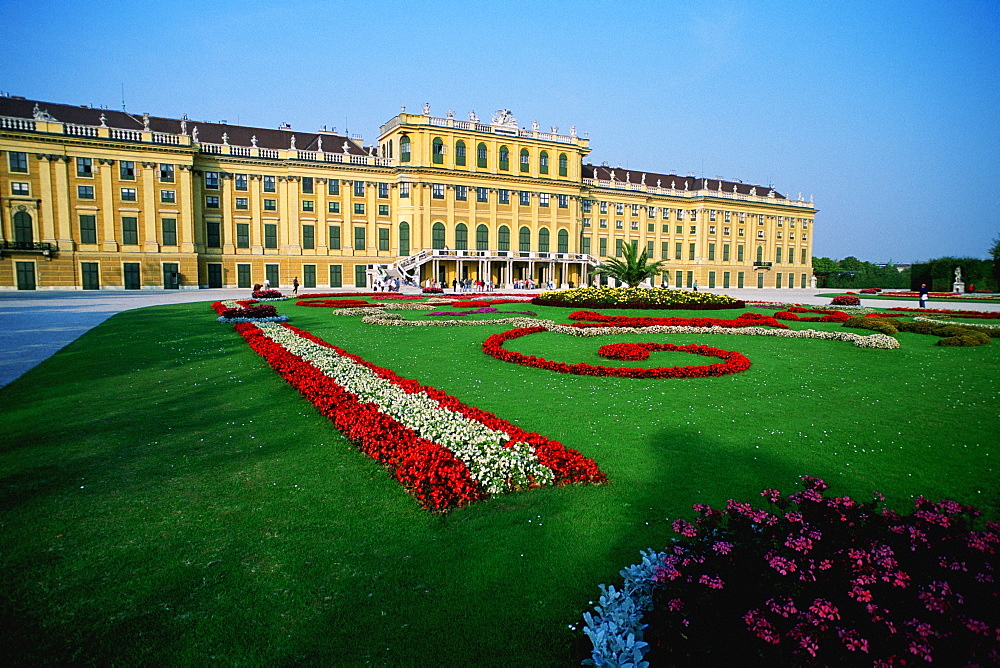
(99, 199)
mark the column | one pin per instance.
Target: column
(185, 205)
(147, 201)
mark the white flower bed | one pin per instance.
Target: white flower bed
(496, 464)
(937, 321)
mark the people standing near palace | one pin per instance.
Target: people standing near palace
(923, 295)
(295, 285)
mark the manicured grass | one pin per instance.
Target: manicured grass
(167, 498)
(976, 300)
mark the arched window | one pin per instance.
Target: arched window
(460, 153)
(404, 149)
(563, 241)
(543, 162)
(461, 237)
(437, 151)
(388, 149)
(563, 164)
(437, 236)
(524, 240)
(404, 238)
(482, 238)
(22, 228)
(503, 238)
(760, 253)
(504, 158)
(543, 240)
(525, 160)
(481, 155)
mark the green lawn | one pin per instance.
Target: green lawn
(168, 499)
(938, 300)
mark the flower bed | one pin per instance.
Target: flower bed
(744, 320)
(247, 310)
(389, 296)
(268, 295)
(432, 291)
(734, 362)
(827, 316)
(337, 303)
(814, 580)
(444, 452)
(985, 315)
(846, 300)
(477, 303)
(639, 298)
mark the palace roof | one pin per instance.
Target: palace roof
(675, 181)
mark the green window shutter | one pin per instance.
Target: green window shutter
(604, 248)
(308, 236)
(711, 251)
(359, 238)
(404, 238)
(481, 155)
(461, 237)
(270, 235)
(334, 233)
(525, 160)
(130, 230)
(482, 238)
(503, 238)
(460, 153)
(563, 241)
(691, 251)
(360, 276)
(242, 235)
(383, 238)
(543, 163)
(618, 247)
(309, 275)
(437, 151)
(404, 149)
(563, 164)
(336, 276)
(437, 236)
(543, 240)
(88, 230)
(524, 240)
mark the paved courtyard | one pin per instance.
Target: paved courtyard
(34, 325)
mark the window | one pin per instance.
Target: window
(563, 164)
(383, 209)
(17, 188)
(525, 160)
(437, 236)
(308, 237)
(460, 153)
(740, 232)
(359, 188)
(242, 203)
(525, 198)
(213, 236)
(666, 213)
(360, 276)
(563, 242)
(126, 170)
(693, 230)
(620, 208)
(604, 222)
(760, 253)
(651, 212)
(739, 253)
(383, 238)
(333, 187)
(503, 238)
(404, 149)
(543, 199)
(777, 255)
(88, 229)
(334, 237)
(711, 215)
(166, 173)
(725, 252)
(308, 205)
(760, 234)
(691, 251)
(270, 205)
(780, 232)
(543, 240)
(437, 151)
(728, 215)
(270, 235)
(128, 194)
(725, 231)
(333, 207)
(404, 189)
(309, 276)
(359, 238)
(85, 192)
(563, 201)
(805, 224)
(543, 162)
(586, 245)
(242, 235)
(481, 155)
(269, 184)
(586, 205)
(635, 209)
(604, 207)
(781, 221)
(791, 223)
(482, 238)
(437, 191)
(17, 161)
(169, 229)
(586, 222)
(404, 238)
(680, 214)
(803, 260)
(618, 247)
(212, 202)
(504, 158)
(711, 251)
(240, 182)
(664, 250)
(84, 167)
(359, 208)
(604, 248)
(678, 229)
(503, 196)
(711, 229)
(482, 195)
(383, 190)
(678, 249)
(212, 180)
(461, 237)
(168, 196)
(307, 185)
(665, 229)
(619, 224)
(524, 240)
(649, 249)
(336, 276)
(130, 230)
(651, 227)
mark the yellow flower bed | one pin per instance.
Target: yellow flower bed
(609, 297)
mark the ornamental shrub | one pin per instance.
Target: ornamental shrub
(821, 580)
(966, 340)
(267, 294)
(882, 326)
(251, 311)
(432, 291)
(640, 298)
(846, 300)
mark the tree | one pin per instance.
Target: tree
(825, 265)
(995, 254)
(633, 268)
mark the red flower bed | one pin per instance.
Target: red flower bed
(846, 300)
(986, 315)
(267, 294)
(487, 302)
(219, 307)
(734, 362)
(885, 315)
(828, 316)
(745, 320)
(334, 303)
(369, 295)
(871, 291)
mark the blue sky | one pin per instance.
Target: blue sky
(886, 112)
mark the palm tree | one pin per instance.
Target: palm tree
(633, 268)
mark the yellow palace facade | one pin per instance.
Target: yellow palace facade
(98, 199)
